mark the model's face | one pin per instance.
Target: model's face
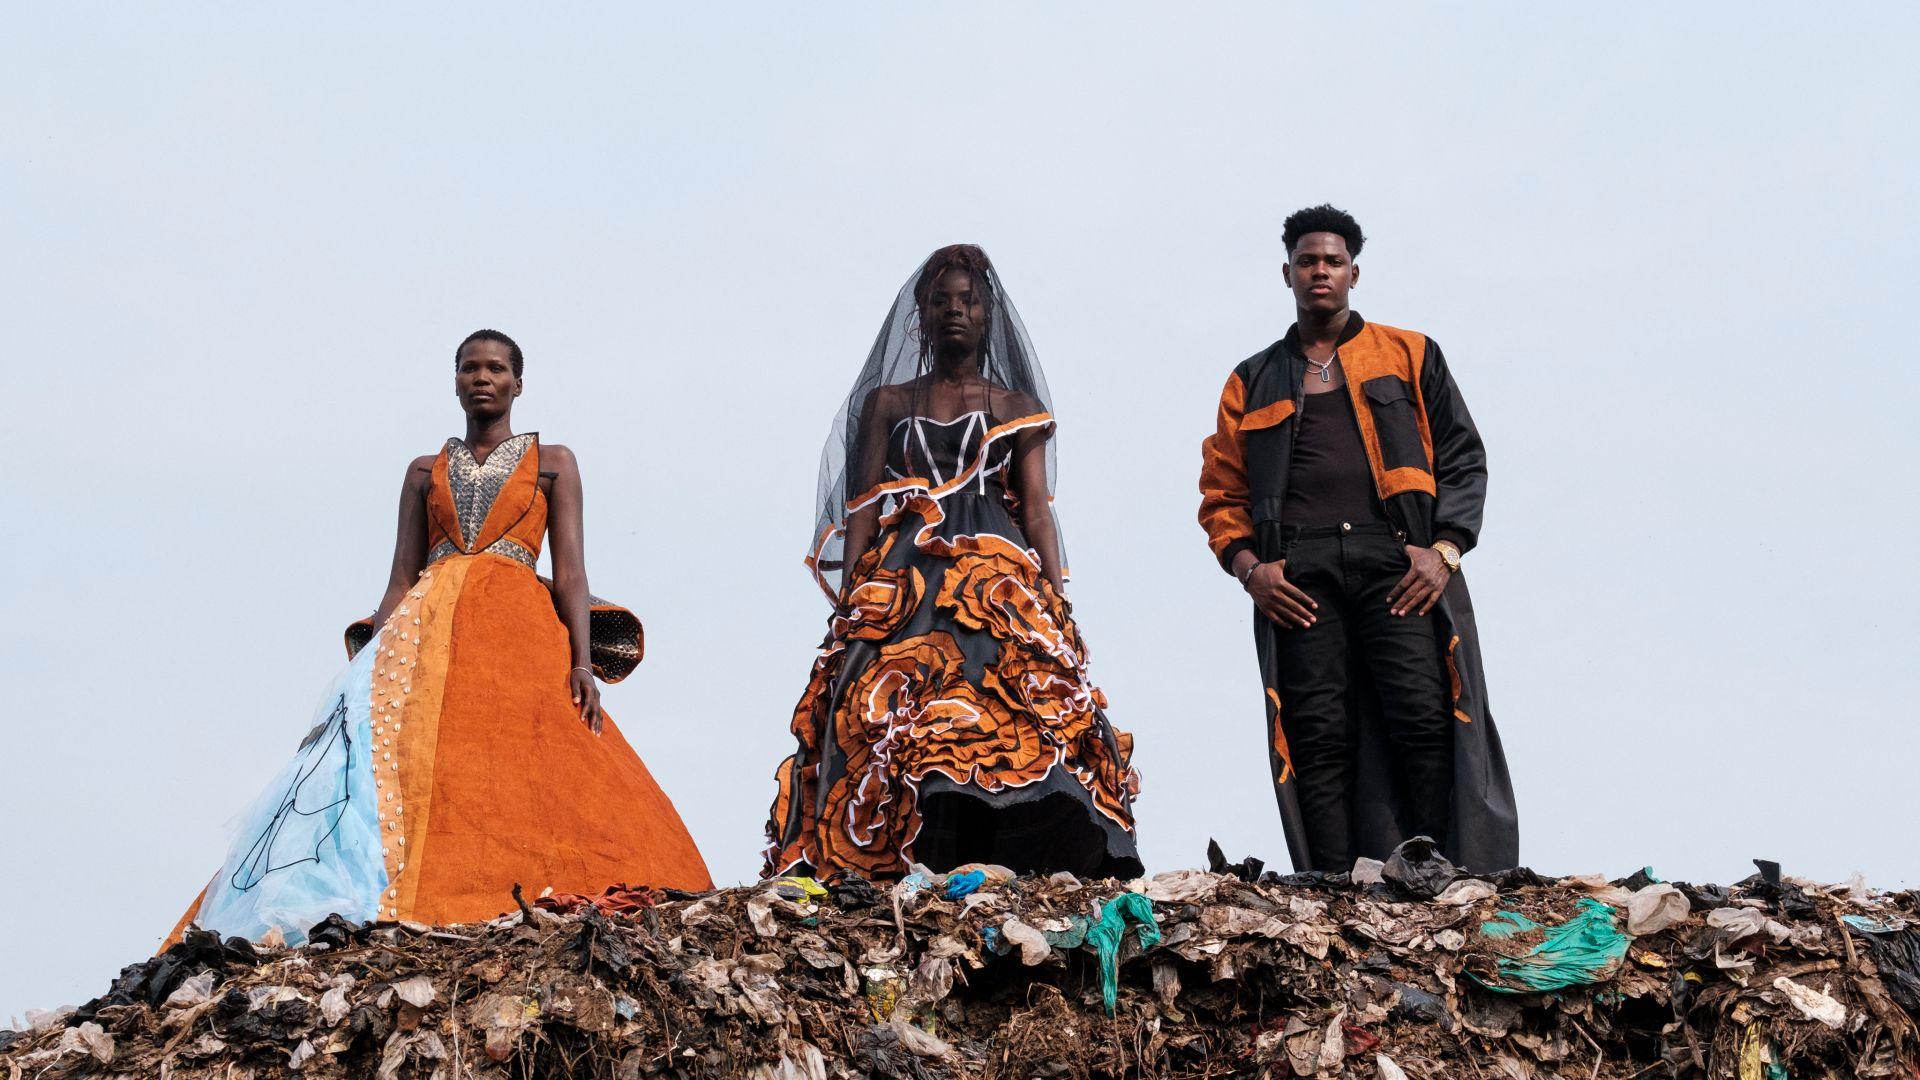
(954, 317)
(484, 380)
(1321, 273)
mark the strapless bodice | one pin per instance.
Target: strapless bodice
(941, 450)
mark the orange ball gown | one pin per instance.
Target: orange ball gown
(457, 745)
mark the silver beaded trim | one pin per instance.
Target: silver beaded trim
(477, 484)
(503, 546)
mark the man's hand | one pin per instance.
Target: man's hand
(1421, 588)
(1278, 598)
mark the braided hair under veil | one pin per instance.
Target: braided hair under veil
(902, 353)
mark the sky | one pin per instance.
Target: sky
(1668, 250)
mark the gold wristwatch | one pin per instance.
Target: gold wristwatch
(1450, 553)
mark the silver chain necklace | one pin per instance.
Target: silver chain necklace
(1323, 369)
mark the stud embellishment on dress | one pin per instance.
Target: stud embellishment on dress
(390, 698)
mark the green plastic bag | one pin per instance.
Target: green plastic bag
(1585, 949)
(1107, 934)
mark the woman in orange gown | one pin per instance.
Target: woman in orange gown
(463, 751)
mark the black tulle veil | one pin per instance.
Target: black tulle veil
(900, 356)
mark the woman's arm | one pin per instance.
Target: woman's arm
(1036, 506)
(567, 535)
(410, 545)
(863, 472)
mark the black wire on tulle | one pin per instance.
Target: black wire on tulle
(258, 861)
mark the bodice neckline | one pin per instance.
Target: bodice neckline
(969, 415)
(482, 461)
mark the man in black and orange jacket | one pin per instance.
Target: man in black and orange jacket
(1341, 488)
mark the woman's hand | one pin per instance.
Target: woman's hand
(586, 696)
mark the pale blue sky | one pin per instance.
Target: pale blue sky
(1668, 250)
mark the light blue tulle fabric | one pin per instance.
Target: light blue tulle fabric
(309, 846)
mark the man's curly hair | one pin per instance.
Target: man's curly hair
(1323, 218)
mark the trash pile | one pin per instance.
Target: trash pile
(1403, 969)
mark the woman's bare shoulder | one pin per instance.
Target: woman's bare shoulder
(559, 459)
(886, 402)
(1015, 404)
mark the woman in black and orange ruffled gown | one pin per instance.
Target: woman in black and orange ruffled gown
(949, 718)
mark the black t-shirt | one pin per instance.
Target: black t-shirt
(1329, 482)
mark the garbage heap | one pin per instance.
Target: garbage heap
(1402, 969)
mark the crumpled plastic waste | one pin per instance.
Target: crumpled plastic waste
(1248, 870)
(1418, 870)
(1466, 892)
(1813, 1004)
(851, 891)
(1655, 907)
(1580, 951)
(1740, 923)
(959, 885)
(1066, 933)
(614, 900)
(193, 990)
(1178, 886)
(1894, 944)
(1107, 934)
(1034, 947)
(798, 888)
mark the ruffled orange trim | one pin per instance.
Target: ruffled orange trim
(929, 493)
(911, 713)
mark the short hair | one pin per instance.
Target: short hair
(1323, 218)
(513, 349)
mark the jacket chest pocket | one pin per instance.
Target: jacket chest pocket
(1396, 423)
(1265, 435)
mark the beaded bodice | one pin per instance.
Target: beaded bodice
(492, 507)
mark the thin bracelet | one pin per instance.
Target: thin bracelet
(1243, 577)
(576, 667)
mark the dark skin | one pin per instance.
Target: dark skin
(1322, 274)
(486, 386)
(955, 314)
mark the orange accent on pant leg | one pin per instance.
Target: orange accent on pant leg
(1453, 681)
(1279, 740)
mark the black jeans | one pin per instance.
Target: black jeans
(1349, 570)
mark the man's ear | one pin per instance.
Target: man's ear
(1286, 273)
(1354, 279)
